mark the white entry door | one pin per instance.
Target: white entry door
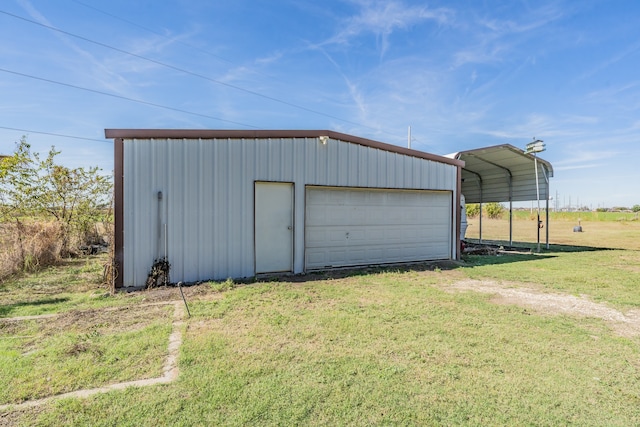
(273, 227)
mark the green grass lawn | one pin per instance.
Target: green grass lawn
(75, 284)
(611, 276)
(379, 347)
(40, 358)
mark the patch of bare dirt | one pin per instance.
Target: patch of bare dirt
(16, 417)
(172, 293)
(10, 414)
(87, 322)
(625, 324)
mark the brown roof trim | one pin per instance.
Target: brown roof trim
(118, 220)
(239, 134)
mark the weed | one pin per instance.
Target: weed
(223, 286)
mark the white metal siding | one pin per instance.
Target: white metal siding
(346, 227)
(207, 203)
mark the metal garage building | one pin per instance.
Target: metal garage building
(236, 203)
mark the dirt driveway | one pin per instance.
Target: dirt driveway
(625, 324)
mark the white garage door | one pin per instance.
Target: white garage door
(346, 226)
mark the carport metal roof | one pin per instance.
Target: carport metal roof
(502, 173)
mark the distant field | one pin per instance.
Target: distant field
(599, 229)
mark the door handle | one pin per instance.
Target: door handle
(289, 228)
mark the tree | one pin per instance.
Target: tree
(636, 208)
(492, 210)
(473, 209)
(74, 198)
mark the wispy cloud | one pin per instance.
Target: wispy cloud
(585, 157)
(558, 167)
(623, 97)
(111, 71)
(106, 77)
(382, 18)
(354, 94)
(493, 39)
(614, 59)
(561, 128)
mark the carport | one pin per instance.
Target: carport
(504, 173)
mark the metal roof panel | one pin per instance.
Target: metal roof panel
(501, 173)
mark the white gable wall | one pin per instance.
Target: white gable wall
(207, 201)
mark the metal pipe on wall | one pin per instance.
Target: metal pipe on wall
(159, 228)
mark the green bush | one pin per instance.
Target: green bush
(223, 286)
(491, 210)
(473, 210)
(494, 210)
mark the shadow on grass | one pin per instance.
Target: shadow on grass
(6, 310)
(528, 246)
(345, 272)
(500, 253)
(570, 248)
(477, 260)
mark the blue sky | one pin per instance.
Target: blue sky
(462, 74)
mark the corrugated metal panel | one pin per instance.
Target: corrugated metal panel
(495, 165)
(346, 227)
(207, 205)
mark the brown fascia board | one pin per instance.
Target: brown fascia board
(263, 134)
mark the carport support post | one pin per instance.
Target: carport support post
(547, 215)
(510, 223)
(546, 180)
(480, 220)
(535, 162)
(510, 210)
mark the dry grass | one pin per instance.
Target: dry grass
(28, 246)
(597, 234)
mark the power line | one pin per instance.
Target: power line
(152, 31)
(191, 73)
(139, 101)
(171, 39)
(54, 134)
